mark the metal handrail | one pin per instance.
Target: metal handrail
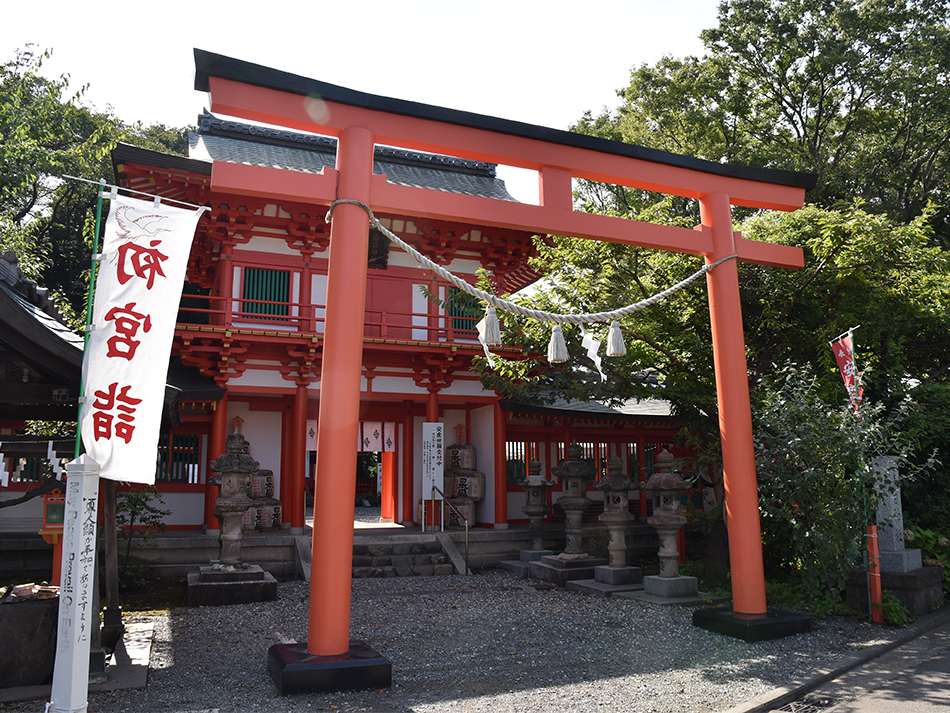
(457, 512)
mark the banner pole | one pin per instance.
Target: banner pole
(89, 296)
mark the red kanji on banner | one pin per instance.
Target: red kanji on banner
(127, 324)
(144, 262)
(844, 355)
(103, 421)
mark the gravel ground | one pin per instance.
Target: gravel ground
(488, 642)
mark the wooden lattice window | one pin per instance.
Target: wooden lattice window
(179, 456)
(266, 293)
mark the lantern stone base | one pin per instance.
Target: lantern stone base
(561, 571)
(900, 560)
(609, 581)
(210, 587)
(522, 565)
(774, 624)
(293, 670)
(671, 587)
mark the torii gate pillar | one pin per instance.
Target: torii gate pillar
(735, 416)
(329, 660)
(749, 617)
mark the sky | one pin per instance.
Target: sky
(543, 62)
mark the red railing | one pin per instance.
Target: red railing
(309, 319)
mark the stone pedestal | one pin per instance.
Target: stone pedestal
(218, 585)
(920, 590)
(521, 566)
(671, 587)
(293, 670)
(774, 624)
(609, 581)
(560, 571)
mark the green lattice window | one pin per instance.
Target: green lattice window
(266, 293)
(464, 310)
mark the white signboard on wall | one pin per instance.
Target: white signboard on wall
(432, 459)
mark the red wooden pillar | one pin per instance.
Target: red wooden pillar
(286, 464)
(219, 433)
(735, 415)
(333, 503)
(408, 444)
(501, 470)
(390, 487)
(298, 460)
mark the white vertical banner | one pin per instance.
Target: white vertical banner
(78, 603)
(432, 459)
(311, 434)
(389, 437)
(372, 436)
(141, 272)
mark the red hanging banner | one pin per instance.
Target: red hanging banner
(844, 355)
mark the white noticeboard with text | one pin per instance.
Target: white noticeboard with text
(432, 459)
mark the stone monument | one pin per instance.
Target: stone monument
(918, 588)
(231, 580)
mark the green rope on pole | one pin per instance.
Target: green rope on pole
(89, 296)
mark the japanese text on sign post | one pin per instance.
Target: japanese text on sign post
(432, 464)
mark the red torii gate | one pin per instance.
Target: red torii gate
(359, 121)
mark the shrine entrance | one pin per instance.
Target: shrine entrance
(361, 121)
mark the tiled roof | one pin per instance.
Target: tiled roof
(35, 302)
(234, 142)
(630, 409)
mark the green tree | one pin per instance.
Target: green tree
(860, 269)
(816, 482)
(854, 91)
(45, 134)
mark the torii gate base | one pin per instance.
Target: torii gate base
(293, 670)
(774, 624)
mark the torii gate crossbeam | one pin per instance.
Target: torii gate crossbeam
(360, 121)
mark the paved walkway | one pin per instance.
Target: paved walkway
(909, 675)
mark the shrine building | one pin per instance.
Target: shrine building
(252, 321)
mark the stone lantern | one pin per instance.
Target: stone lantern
(616, 515)
(574, 474)
(234, 467)
(666, 485)
(616, 576)
(231, 580)
(536, 506)
(573, 563)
